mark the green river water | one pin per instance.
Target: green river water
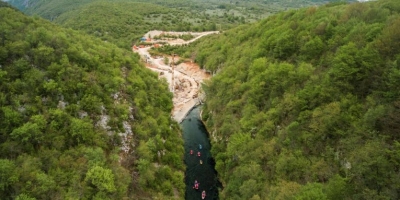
(195, 134)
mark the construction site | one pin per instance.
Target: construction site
(184, 79)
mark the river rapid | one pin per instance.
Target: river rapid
(195, 134)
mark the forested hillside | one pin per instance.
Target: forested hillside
(305, 104)
(123, 22)
(118, 23)
(251, 9)
(81, 118)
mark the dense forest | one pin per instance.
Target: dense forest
(305, 104)
(81, 118)
(50, 9)
(123, 22)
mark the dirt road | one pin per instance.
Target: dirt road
(187, 76)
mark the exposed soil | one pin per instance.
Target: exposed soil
(187, 76)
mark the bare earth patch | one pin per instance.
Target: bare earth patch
(187, 76)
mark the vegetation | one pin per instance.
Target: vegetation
(250, 10)
(81, 118)
(303, 104)
(120, 23)
(123, 22)
(185, 37)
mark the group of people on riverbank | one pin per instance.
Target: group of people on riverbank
(196, 183)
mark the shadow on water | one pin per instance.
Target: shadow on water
(195, 134)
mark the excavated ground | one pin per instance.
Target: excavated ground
(187, 76)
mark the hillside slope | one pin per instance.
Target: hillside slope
(304, 104)
(118, 23)
(81, 118)
(123, 22)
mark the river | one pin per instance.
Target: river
(195, 134)
(185, 81)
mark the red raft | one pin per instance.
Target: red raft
(203, 194)
(196, 185)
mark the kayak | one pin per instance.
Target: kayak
(203, 194)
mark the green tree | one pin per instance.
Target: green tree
(285, 45)
(311, 191)
(313, 48)
(24, 197)
(284, 190)
(8, 176)
(100, 178)
(337, 188)
(82, 131)
(390, 39)
(31, 133)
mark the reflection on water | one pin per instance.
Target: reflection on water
(195, 134)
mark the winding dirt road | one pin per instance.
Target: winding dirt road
(187, 76)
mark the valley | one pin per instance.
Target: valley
(299, 99)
